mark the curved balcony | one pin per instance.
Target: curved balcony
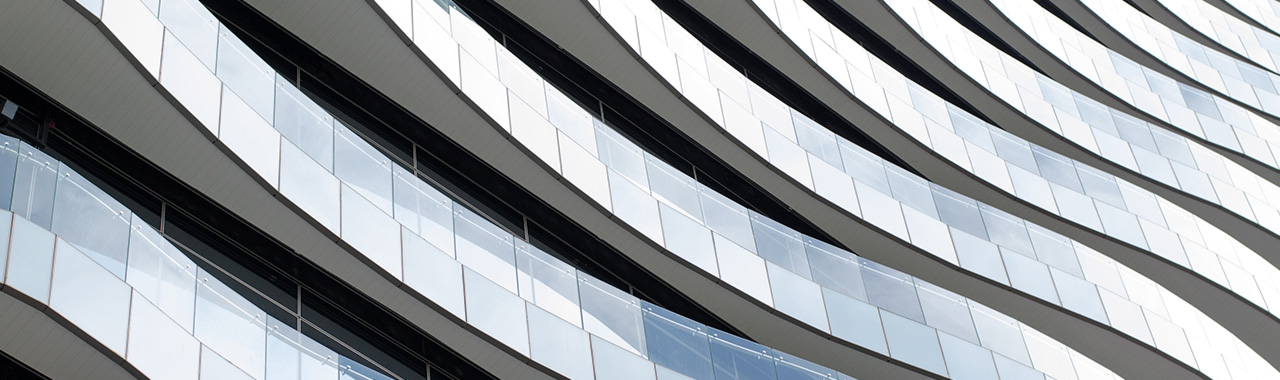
(1260, 46)
(134, 294)
(1130, 143)
(1266, 13)
(808, 132)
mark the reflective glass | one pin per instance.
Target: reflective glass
(780, 245)
(912, 191)
(999, 332)
(946, 311)
(33, 188)
(191, 82)
(1028, 275)
(214, 366)
(284, 352)
(424, 210)
(738, 359)
(1006, 230)
(743, 270)
(864, 166)
(1079, 295)
(90, 297)
(1057, 169)
(231, 325)
(433, 273)
(673, 187)
(559, 345)
(158, 347)
(677, 343)
(798, 297)
(688, 239)
(247, 75)
(485, 248)
(137, 29)
(966, 361)
(308, 185)
(835, 269)
(891, 290)
(621, 155)
(611, 314)
(194, 25)
(371, 231)
(958, 211)
(634, 206)
(304, 123)
(97, 224)
(496, 312)
(251, 138)
(979, 256)
(727, 218)
(8, 169)
(793, 368)
(362, 167)
(613, 362)
(162, 274)
(549, 283)
(855, 321)
(30, 260)
(913, 343)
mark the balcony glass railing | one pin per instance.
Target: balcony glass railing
(1206, 116)
(106, 271)
(1265, 12)
(1129, 142)
(1259, 45)
(825, 151)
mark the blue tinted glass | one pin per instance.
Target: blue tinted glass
(677, 343)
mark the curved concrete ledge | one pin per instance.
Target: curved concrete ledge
(1253, 325)
(627, 74)
(36, 336)
(81, 67)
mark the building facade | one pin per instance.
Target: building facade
(640, 189)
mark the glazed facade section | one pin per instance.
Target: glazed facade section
(1263, 12)
(1026, 249)
(106, 271)
(822, 286)
(1253, 277)
(159, 306)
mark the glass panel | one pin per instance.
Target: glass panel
(1057, 169)
(743, 270)
(958, 211)
(913, 343)
(433, 273)
(1030, 276)
(308, 185)
(912, 191)
(191, 82)
(611, 314)
(677, 343)
(158, 347)
(891, 290)
(318, 361)
(855, 321)
(561, 346)
(251, 138)
(621, 155)
(485, 248)
(966, 361)
(634, 206)
(162, 274)
(1054, 249)
(230, 325)
(371, 232)
(214, 366)
(424, 210)
(979, 256)
(673, 187)
(247, 75)
(612, 362)
(780, 245)
(8, 169)
(738, 359)
(793, 368)
(727, 218)
(137, 29)
(194, 26)
(496, 312)
(688, 239)
(1007, 230)
(284, 352)
(835, 268)
(33, 188)
(797, 297)
(90, 297)
(999, 332)
(304, 123)
(1079, 295)
(946, 311)
(30, 260)
(548, 283)
(362, 167)
(91, 220)
(864, 166)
